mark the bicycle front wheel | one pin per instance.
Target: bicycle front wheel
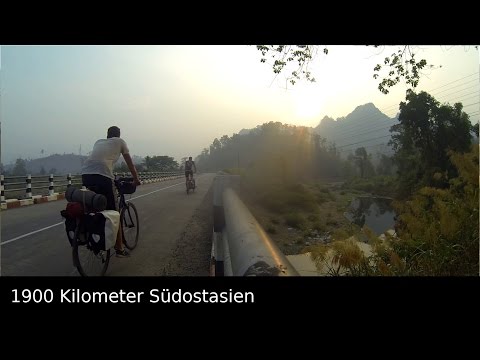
(130, 225)
(86, 261)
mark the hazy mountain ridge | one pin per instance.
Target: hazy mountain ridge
(61, 164)
(366, 126)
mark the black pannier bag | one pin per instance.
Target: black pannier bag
(102, 228)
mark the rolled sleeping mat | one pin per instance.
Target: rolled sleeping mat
(97, 202)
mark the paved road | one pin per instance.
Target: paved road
(34, 241)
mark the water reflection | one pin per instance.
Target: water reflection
(376, 213)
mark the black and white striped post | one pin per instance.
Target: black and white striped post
(69, 178)
(50, 187)
(2, 177)
(29, 187)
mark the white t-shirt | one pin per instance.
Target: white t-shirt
(105, 153)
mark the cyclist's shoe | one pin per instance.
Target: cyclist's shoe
(122, 253)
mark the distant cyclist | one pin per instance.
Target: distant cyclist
(189, 165)
(97, 173)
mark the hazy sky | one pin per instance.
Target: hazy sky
(174, 100)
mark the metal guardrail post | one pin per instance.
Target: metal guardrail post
(29, 187)
(50, 187)
(69, 178)
(3, 189)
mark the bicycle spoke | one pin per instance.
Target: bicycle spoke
(88, 263)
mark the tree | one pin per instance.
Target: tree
(362, 160)
(217, 145)
(42, 171)
(400, 64)
(421, 140)
(160, 163)
(20, 168)
(385, 165)
(147, 163)
(182, 163)
(224, 140)
(475, 129)
(121, 167)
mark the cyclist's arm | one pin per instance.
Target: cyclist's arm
(132, 168)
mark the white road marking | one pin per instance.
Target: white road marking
(137, 197)
(30, 233)
(60, 223)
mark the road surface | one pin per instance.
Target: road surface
(34, 242)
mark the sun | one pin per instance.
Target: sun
(307, 102)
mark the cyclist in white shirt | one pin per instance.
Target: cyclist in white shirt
(97, 173)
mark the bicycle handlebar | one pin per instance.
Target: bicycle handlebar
(127, 179)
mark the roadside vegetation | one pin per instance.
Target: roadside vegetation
(298, 186)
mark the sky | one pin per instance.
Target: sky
(174, 100)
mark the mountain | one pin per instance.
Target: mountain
(61, 164)
(365, 126)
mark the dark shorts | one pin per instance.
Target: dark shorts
(101, 185)
(188, 172)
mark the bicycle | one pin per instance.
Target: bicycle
(190, 184)
(97, 261)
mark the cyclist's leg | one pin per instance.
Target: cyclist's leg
(105, 186)
(112, 204)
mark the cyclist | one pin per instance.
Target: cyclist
(97, 173)
(189, 164)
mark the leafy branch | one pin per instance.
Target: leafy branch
(399, 65)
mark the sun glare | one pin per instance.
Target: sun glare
(307, 102)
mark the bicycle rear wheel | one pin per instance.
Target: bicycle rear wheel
(86, 261)
(130, 225)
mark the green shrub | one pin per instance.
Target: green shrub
(295, 220)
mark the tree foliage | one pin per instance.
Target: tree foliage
(20, 168)
(363, 161)
(439, 228)
(475, 129)
(397, 66)
(121, 167)
(421, 140)
(385, 165)
(160, 163)
(274, 152)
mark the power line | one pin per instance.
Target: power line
(477, 92)
(366, 125)
(459, 90)
(475, 73)
(363, 126)
(380, 137)
(465, 83)
(359, 142)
